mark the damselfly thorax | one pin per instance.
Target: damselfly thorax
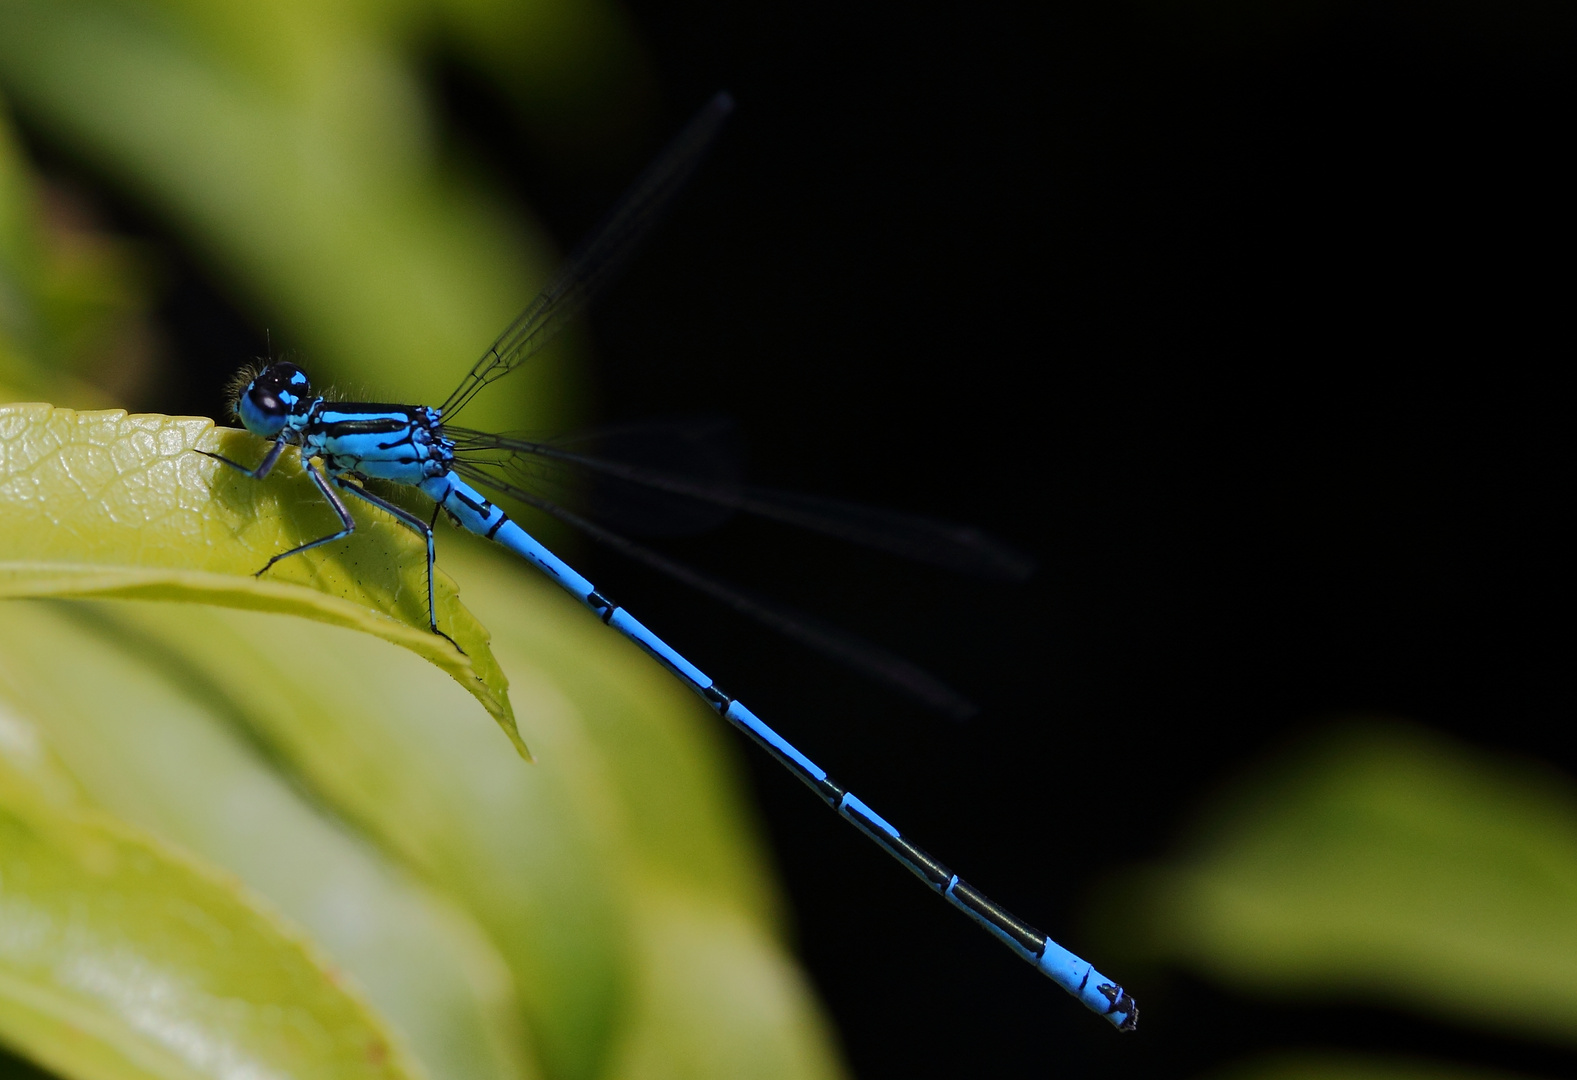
(342, 443)
(400, 443)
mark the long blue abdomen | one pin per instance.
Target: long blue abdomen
(478, 514)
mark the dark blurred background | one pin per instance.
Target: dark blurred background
(1246, 322)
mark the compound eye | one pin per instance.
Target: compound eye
(289, 376)
(262, 411)
(266, 403)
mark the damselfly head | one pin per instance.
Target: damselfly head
(265, 403)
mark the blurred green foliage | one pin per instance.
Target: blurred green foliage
(1382, 864)
(290, 144)
(71, 299)
(241, 842)
(100, 942)
(1327, 1066)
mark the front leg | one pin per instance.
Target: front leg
(263, 469)
(333, 499)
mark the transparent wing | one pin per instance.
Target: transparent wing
(952, 546)
(599, 258)
(868, 659)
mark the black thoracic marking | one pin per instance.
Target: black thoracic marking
(716, 698)
(385, 425)
(408, 438)
(499, 524)
(375, 409)
(1028, 938)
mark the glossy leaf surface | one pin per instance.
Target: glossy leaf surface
(107, 504)
(120, 959)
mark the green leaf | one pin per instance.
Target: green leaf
(108, 504)
(619, 884)
(150, 740)
(1310, 1066)
(1390, 865)
(716, 999)
(121, 959)
(291, 145)
(619, 877)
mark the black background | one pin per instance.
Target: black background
(1251, 326)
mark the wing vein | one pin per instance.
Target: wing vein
(599, 258)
